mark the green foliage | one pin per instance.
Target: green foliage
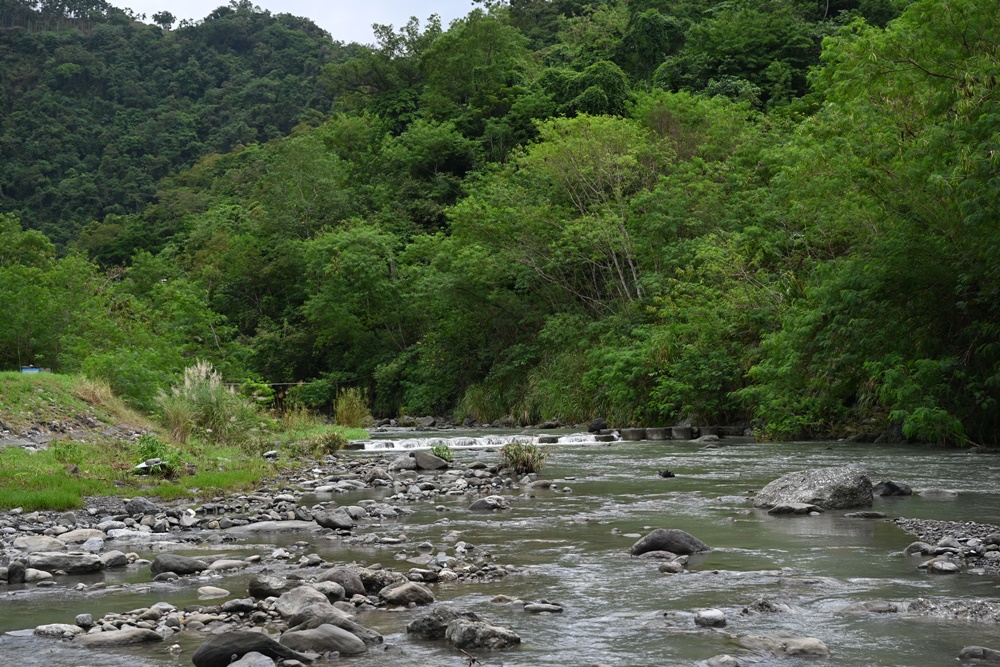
(351, 408)
(443, 451)
(522, 458)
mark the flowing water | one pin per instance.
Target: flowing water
(621, 611)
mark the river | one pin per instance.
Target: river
(621, 611)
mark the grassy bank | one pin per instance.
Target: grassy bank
(95, 441)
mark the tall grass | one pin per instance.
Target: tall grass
(521, 457)
(351, 408)
(205, 405)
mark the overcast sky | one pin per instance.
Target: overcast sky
(346, 20)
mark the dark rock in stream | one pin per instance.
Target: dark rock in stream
(427, 461)
(220, 649)
(829, 488)
(889, 488)
(434, 623)
(265, 586)
(180, 565)
(338, 518)
(324, 639)
(465, 634)
(346, 577)
(672, 540)
(597, 425)
(980, 654)
(490, 504)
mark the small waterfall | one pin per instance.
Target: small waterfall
(479, 442)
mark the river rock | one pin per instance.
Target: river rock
(70, 563)
(375, 580)
(489, 504)
(324, 639)
(33, 576)
(114, 558)
(434, 623)
(830, 488)
(34, 543)
(670, 539)
(710, 618)
(403, 463)
(337, 518)
(253, 659)
(59, 630)
(887, 487)
(795, 508)
(123, 637)
(209, 592)
(408, 593)
(981, 653)
(428, 461)
(598, 425)
(15, 572)
(297, 599)
(265, 586)
(81, 535)
(219, 650)
(141, 506)
(806, 647)
(465, 634)
(316, 615)
(724, 660)
(347, 578)
(227, 564)
(179, 565)
(333, 591)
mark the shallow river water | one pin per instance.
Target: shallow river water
(622, 611)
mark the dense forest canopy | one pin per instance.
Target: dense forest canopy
(765, 211)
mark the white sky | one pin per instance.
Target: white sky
(346, 20)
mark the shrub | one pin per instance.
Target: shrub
(442, 450)
(522, 457)
(351, 408)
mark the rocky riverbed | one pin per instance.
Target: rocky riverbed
(299, 597)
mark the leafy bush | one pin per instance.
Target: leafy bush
(522, 457)
(443, 451)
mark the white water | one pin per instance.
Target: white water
(404, 443)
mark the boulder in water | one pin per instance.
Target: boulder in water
(670, 539)
(220, 649)
(829, 488)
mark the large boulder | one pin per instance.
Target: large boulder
(347, 578)
(316, 615)
(490, 504)
(670, 539)
(297, 599)
(981, 654)
(220, 649)
(179, 565)
(375, 580)
(253, 659)
(428, 461)
(337, 518)
(324, 639)
(406, 594)
(830, 488)
(266, 586)
(141, 506)
(33, 543)
(801, 647)
(434, 623)
(70, 563)
(466, 634)
(123, 637)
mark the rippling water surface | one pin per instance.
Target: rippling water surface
(621, 611)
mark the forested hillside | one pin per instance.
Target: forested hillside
(654, 211)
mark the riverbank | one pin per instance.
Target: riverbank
(564, 542)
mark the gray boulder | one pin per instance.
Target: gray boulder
(220, 649)
(141, 506)
(253, 659)
(337, 518)
(265, 586)
(16, 572)
(324, 639)
(297, 599)
(403, 463)
(407, 593)
(490, 504)
(830, 488)
(427, 461)
(890, 488)
(33, 543)
(58, 630)
(123, 637)
(375, 580)
(70, 563)
(434, 623)
(672, 540)
(981, 653)
(803, 647)
(465, 634)
(179, 565)
(316, 615)
(347, 578)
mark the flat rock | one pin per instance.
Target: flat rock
(59, 630)
(292, 526)
(33, 543)
(180, 565)
(70, 563)
(81, 535)
(981, 653)
(795, 508)
(324, 639)
(123, 637)
(808, 647)
(465, 634)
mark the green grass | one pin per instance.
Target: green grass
(63, 475)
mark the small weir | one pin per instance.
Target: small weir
(411, 440)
